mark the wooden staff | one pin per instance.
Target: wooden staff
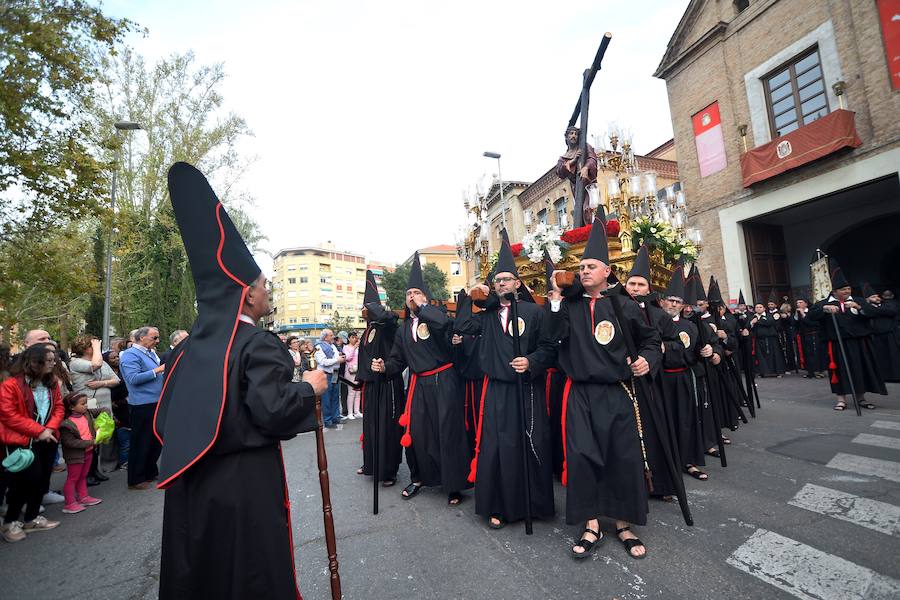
(330, 542)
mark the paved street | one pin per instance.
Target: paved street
(809, 507)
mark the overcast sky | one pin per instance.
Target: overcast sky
(370, 117)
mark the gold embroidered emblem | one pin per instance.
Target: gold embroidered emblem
(521, 328)
(371, 336)
(422, 331)
(685, 338)
(604, 332)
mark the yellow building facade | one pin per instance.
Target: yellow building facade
(313, 285)
(444, 257)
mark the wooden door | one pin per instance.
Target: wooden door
(767, 260)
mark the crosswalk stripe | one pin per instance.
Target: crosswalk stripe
(887, 425)
(865, 512)
(863, 465)
(882, 441)
(808, 573)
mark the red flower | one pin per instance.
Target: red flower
(574, 236)
(612, 228)
(516, 249)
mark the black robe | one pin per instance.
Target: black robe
(728, 376)
(783, 335)
(661, 479)
(811, 349)
(604, 466)
(439, 453)
(467, 365)
(680, 389)
(382, 397)
(226, 521)
(711, 409)
(884, 339)
(856, 336)
(767, 355)
(499, 475)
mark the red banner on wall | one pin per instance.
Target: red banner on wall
(709, 139)
(808, 143)
(889, 13)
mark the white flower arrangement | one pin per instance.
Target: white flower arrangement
(544, 237)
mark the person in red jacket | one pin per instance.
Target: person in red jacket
(31, 412)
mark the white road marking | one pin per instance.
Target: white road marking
(887, 425)
(807, 573)
(863, 465)
(865, 512)
(882, 441)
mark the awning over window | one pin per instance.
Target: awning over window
(808, 143)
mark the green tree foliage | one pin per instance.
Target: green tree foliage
(180, 109)
(49, 52)
(394, 284)
(340, 323)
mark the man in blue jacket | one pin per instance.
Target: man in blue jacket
(143, 375)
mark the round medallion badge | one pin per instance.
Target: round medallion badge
(604, 332)
(685, 338)
(371, 336)
(422, 331)
(521, 327)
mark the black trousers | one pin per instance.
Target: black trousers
(344, 392)
(144, 450)
(27, 487)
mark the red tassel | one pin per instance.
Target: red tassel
(361, 441)
(473, 469)
(406, 440)
(832, 366)
(565, 475)
(403, 420)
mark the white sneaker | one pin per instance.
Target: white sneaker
(12, 532)
(39, 524)
(350, 417)
(359, 415)
(53, 498)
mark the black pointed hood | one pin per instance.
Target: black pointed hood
(506, 262)
(838, 279)
(696, 285)
(773, 297)
(714, 295)
(676, 283)
(597, 246)
(190, 406)
(868, 290)
(416, 278)
(371, 295)
(741, 297)
(641, 266)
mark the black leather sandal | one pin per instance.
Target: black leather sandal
(697, 473)
(587, 545)
(410, 490)
(631, 543)
(499, 525)
(455, 499)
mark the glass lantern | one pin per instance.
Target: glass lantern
(649, 188)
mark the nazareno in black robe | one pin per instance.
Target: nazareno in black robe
(884, 339)
(604, 466)
(661, 479)
(227, 403)
(438, 453)
(498, 472)
(811, 346)
(681, 391)
(767, 354)
(382, 396)
(856, 336)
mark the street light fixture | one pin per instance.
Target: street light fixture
(496, 155)
(119, 126)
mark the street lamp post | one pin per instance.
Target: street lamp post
(500, 178)
(120, 126)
